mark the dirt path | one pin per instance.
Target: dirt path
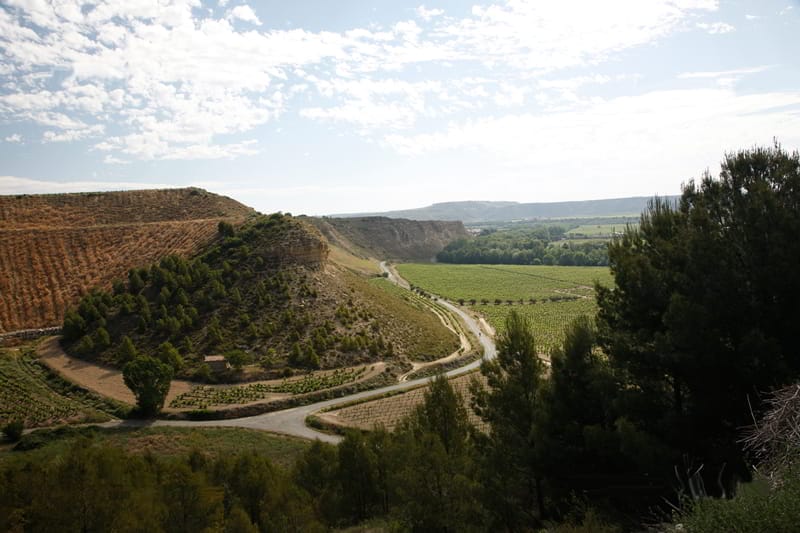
(103, 380)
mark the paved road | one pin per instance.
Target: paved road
(292, 421)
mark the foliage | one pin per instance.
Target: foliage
(246, 297)
(149, 379)
(13, 430)
(524, 246)
(704, 313)
(510, 404)
(31, 393)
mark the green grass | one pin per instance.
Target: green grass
(504, 282)
(548, 319)
(421, 334)
(573, 285)
(162, 442)
(597, 230)
(29, 392)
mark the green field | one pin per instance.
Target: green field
(162, 442)
(559, 293)
(29, 392)
(597, 230)
(504, 282)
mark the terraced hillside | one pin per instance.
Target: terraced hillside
(265, 296)
(53, 248)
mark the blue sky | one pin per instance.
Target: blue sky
(322, 107)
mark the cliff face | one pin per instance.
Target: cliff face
(391, 238)
(302, 244)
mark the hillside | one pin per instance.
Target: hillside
(475, 212)
(266, 297)
(53, 248)
(389, 238)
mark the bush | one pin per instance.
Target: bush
(13, 430)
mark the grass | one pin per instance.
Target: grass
(406, 322)
(504, 282)
(31, 393)
(548, 319)
(559, 293)
(358, 264)
(161, 441)
(597, 230)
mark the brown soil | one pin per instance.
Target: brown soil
(100, 379)
(54, 248)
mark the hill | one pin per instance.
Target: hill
(390, 238)
(476, 212)
(266, 297)
(53, 248)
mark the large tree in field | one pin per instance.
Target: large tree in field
(149, 379)
(703, 316)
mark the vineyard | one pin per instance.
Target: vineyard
(551, 296)
(503, 282)
(548, 319)
(204, 397)
(53, 248)
(388, 412)
(25, 394)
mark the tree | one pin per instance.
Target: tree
(127, 350)
(510, 404)
(149, 379)
(170, 355)
(434, 473)
(703, 316)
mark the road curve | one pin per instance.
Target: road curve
(292, 421)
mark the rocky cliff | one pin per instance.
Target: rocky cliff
(390, 238)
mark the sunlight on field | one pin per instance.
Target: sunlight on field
(551, 296)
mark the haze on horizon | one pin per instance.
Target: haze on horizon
(331, 107)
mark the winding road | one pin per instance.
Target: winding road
(292, 421)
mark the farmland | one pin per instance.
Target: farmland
(203, 397)
(389, 411)
(28, 392)
(54, 248)
(550, 295)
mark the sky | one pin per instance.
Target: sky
(323, 106)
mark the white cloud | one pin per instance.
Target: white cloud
(428, 14)
(17, 185)
(716, 28)
(167, 80)
(753, 17)
(244, 13)
(786, 10)
(660, 137)
(13, 138)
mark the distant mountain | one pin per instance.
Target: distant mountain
(475, 212)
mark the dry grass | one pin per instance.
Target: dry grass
(53, 248)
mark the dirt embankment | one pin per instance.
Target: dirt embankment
(391, 238)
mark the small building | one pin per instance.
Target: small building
(216, 363)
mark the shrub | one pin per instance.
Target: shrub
(13, 430)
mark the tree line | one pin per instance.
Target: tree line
(524, 246)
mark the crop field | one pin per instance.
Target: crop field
(597, 230)
(203, 397)
(503, 282)
(53, 248)
(26, 394)
(388, 412)
(551, 296)
(548, 319)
